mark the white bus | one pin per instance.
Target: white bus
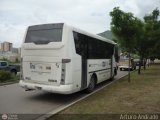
(62, 59)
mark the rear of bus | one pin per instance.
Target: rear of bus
(46, 60)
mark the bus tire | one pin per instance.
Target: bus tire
(92, 84)
(115, 73)
(112, 78)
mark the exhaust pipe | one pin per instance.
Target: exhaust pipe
(29, 89)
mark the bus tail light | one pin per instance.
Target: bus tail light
(62, 82)
(21, 69)
(63, 72)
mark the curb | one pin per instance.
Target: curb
(53, 112)
(8, 83)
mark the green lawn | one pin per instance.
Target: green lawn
(142, 95)
(8, 77)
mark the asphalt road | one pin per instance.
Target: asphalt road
(32, 104)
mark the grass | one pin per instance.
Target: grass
(7, 77)
(142, 95)
(15, 78)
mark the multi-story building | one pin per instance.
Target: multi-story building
(1, 47)
(8, 52)
(5, 47)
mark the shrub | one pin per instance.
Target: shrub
(5, 75)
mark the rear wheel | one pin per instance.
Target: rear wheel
(115, 73)
(91, 85)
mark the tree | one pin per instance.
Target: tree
(124, 27)
(137, 36)
(152, 33)
(141, 44)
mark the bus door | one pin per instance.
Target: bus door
(84, 53)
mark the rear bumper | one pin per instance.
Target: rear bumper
(61, 89)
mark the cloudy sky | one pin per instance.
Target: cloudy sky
(90, 15)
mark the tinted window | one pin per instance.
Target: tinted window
(44, 36)
(3, 64)
(98, 49)
(92, 48)
(77, 40)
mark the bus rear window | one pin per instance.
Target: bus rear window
(44, 36)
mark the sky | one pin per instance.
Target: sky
(89, 15)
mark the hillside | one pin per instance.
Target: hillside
(107, 34)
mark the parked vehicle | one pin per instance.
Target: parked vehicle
(124, 65)
(4, 65)
(136, 61)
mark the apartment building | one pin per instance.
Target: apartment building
(7, 51)
(6, 47)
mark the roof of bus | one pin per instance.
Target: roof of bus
(73, 29)
(90, 34)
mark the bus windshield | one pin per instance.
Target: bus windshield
(44, 36)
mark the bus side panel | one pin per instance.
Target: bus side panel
(100, 67)
(80, 73)
(76, 73)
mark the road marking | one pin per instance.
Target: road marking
(53, 112)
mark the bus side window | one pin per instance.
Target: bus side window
(77, 42)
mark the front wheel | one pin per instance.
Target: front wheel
(91, 85)
(115, 72)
